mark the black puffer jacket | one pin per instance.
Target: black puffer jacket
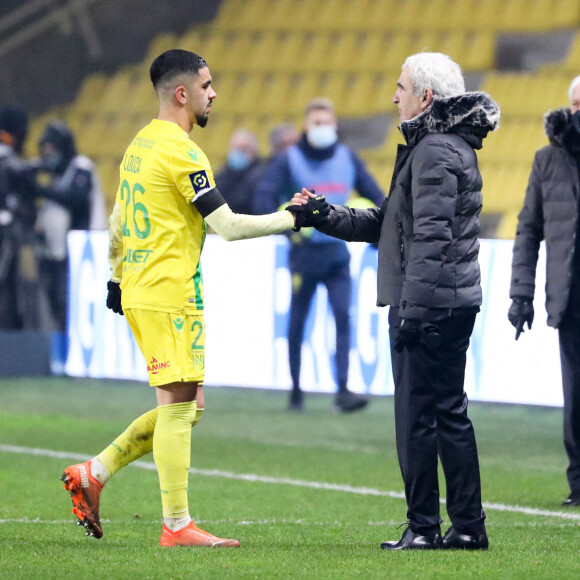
(427, 229)
(550, 212)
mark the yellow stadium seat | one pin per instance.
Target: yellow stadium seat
(375, 52)
(161, 43)
(90, 93)
(478, 51)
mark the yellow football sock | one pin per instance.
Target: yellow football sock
(171, 451)
(134, 442)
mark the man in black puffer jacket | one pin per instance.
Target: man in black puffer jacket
(427, 234)
(550, 213)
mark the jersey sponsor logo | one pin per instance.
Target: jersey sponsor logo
(178, 323)
(193, 154)
(155, 366)
(136, 256)
(200, 181)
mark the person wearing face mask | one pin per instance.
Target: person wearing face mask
(550, 213)
(72, 200)
(319, 162)
(238, 178)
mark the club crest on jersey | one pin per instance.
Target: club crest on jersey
(200, 182)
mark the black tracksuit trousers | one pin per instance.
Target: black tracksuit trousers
(431, 422)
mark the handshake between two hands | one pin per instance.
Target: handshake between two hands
(309, 209)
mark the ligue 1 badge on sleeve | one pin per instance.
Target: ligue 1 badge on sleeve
(200, 182)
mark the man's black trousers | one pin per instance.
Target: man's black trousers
(569, 338)
(431, 421)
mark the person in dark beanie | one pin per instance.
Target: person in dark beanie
(72, 200)
(550, 213)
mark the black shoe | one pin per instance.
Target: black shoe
(412, 541)
(454, 540)
(347, 402)
(572, 501)
(296, 401)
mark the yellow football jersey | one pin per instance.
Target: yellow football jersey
(162, 172)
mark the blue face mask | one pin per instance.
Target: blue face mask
(53, 161)
(238, 160)
(321, 136)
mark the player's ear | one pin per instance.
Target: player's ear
(181, 94)
(426, 98)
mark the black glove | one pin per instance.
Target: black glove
(313, 214)
(114, 297)
(520, 312)
(408, 334)
(412, 331)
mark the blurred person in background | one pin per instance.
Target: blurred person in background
(166, 199)
(281, 137)
(551, 213)
(238, 178)
(69, 186)
(329, 167)
(18, 276)
(428, 273)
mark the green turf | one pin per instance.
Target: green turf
(285, 530)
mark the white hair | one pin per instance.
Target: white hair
(435, 71)
(573, 85)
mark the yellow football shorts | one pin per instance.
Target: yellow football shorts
(173, 344)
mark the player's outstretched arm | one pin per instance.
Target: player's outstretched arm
(235, 226)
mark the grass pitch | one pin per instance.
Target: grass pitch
(288, 486)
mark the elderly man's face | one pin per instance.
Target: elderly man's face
(408, 104)
(575, 102)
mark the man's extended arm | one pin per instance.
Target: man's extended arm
(233, 226)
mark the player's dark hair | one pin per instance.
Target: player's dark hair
(173, 63)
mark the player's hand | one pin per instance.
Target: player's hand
(520, 312)
(114, 297)
(311, 214)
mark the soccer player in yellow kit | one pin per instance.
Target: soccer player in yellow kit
(166, 196)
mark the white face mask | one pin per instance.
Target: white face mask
(321, 136)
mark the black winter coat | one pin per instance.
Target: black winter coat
(427, 229)
(550, 212)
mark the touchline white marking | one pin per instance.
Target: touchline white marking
(285, 481)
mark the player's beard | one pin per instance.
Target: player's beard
(201, 120)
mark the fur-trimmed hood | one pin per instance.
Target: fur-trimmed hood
(474, 113)
(557, 123)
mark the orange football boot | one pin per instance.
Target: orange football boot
(194, 536)
(84, 491)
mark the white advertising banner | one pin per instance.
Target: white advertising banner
(247, 299)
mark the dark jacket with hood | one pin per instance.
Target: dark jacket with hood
(427, 229)
(72, 181)
(550, 212)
